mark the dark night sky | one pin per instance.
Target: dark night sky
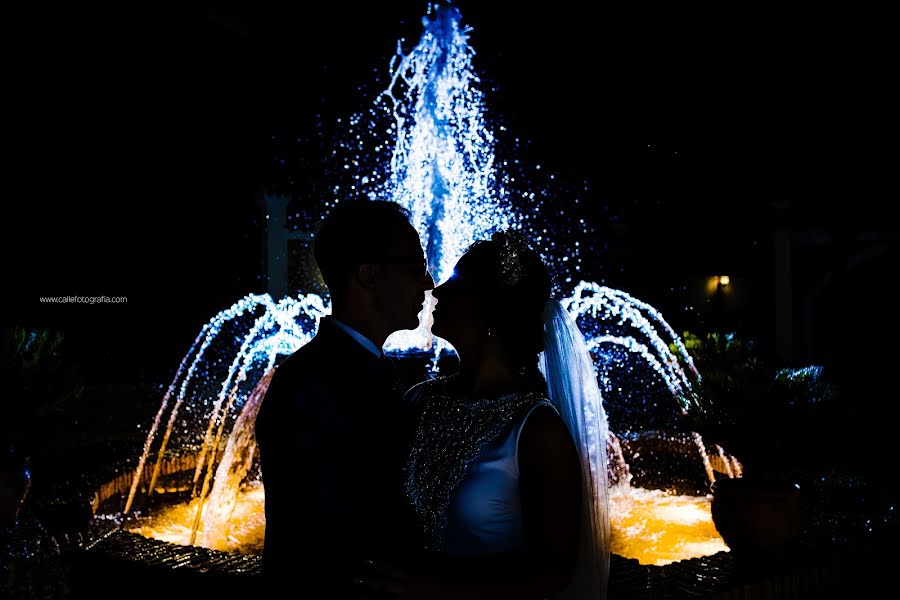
(141, 135)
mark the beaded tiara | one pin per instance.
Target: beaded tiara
(513, 245)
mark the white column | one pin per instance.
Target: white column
(276, 244)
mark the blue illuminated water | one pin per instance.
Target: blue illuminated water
(442, 166)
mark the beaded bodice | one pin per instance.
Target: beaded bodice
(451, 433)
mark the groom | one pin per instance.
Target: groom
(332, 432)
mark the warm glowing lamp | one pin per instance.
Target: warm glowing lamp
(724, 280)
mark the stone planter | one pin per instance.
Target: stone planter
(759, 520)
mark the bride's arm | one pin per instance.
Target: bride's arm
(550, 487)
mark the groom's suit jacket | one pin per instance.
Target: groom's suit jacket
(333, 436)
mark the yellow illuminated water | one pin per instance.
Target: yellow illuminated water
(658, 528)
(245, 531)
(651, 526)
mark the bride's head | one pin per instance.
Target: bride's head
(496, 296)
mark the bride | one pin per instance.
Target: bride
(507, 473)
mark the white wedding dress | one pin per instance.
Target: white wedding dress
(463, 470)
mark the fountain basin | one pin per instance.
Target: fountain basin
(114, 552)
(656, 520)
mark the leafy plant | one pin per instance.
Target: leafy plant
(760, 414)
(38, 381)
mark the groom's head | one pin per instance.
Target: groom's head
(371, 259)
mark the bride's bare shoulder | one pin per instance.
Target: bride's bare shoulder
(418, 392)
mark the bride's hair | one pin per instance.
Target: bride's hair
(513, 285)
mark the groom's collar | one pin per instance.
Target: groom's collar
(363, 340)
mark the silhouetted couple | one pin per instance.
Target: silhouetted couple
(489, 483)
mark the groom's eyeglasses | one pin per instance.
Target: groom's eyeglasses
(417, 265)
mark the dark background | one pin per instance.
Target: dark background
(140, 138)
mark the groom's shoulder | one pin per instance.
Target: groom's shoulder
(299, 362)
(321, 364)
(299, 386)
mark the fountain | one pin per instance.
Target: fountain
(196, 483)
